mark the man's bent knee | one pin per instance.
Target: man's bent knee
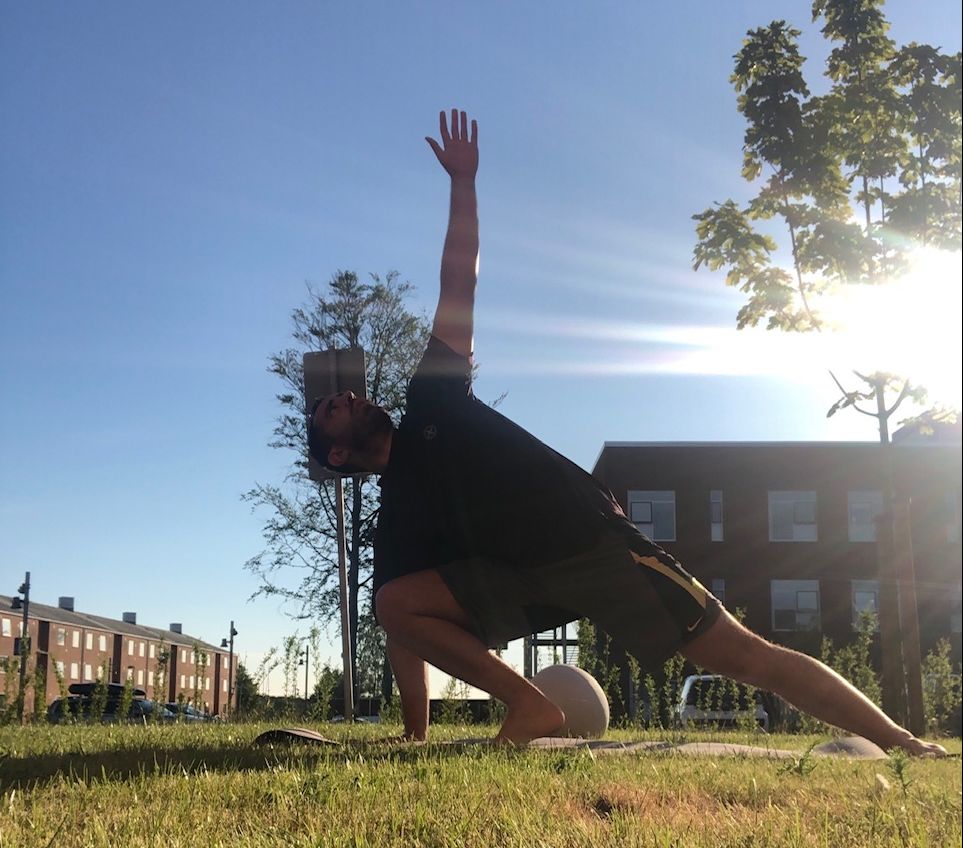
(390, 604)
(421, 593)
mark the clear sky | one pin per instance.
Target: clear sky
(171, 175)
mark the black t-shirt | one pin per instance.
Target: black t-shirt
(462, 480)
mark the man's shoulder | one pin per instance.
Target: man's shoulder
(442, 373)
(440, 358)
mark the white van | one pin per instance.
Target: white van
(713, 699)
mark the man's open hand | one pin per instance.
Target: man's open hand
(458, 152)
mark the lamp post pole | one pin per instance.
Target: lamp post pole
(229, 644)
(24, 651)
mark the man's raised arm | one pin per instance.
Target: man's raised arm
(458, 155)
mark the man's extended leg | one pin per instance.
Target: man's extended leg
(732, 650)
(419, 613)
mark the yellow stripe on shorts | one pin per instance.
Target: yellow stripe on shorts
(694, 588)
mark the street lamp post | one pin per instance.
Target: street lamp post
(229, 644)
(24, 645)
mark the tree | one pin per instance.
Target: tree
(300, 532)
(883, 142)
(245, 690)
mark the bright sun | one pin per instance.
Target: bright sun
(910, 326)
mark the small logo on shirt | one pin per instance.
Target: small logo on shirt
(429, 432)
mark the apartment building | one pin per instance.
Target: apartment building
(787, 531)
(74, 647)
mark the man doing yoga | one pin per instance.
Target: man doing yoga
(486, 534)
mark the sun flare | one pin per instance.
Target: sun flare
(910, 326)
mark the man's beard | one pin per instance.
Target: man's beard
(372, 424)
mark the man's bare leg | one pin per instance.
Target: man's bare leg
(730, 649)
(420, 614)
(411, 674)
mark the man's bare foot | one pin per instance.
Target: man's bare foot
(530, 717)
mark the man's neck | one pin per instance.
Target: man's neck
(376, 459)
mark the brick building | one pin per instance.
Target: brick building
(787, 531)
(167, 664)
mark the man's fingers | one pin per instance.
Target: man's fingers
(435, 147)
(443, 125)
(456, 131)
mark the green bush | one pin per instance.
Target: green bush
(941, 691)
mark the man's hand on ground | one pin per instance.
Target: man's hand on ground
(458, 152)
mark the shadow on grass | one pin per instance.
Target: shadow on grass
(37, 770)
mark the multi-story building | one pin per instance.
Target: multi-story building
(787, 531)
(68, 647)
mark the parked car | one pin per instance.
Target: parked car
(114, 690)
(188, 712)
(79, 708)
(713, 699)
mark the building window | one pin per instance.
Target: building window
(715, 515)
(718, 588)
(5, 627)
(74, 671)
(654, 514)
(792, 517)
(141, 649)
(864, 508)
(225, 687)
(88, 672)
(61, 637)
(89, 641)
(795, 604)
(225, 663)
(75, 638)
(207, 684)
(865, 600)
(183, 655)
(130, 673)
(150, 678)
(102, 642)
(140, 677)
(150, 650)
(182, 681)
(190, 681)
(130, 647)
(59, 666)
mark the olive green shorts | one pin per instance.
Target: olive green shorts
(626, 585)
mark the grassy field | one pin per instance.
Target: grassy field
(207, 786)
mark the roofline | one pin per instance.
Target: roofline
(767, 444)
(740, 444)
(72, 618)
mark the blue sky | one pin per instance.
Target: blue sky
(172, 175)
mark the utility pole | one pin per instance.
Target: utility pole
(307, 654)
(898, 614)
(24, 641)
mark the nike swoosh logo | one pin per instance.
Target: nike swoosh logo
(694, 626)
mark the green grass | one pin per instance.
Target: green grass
(206, 786)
